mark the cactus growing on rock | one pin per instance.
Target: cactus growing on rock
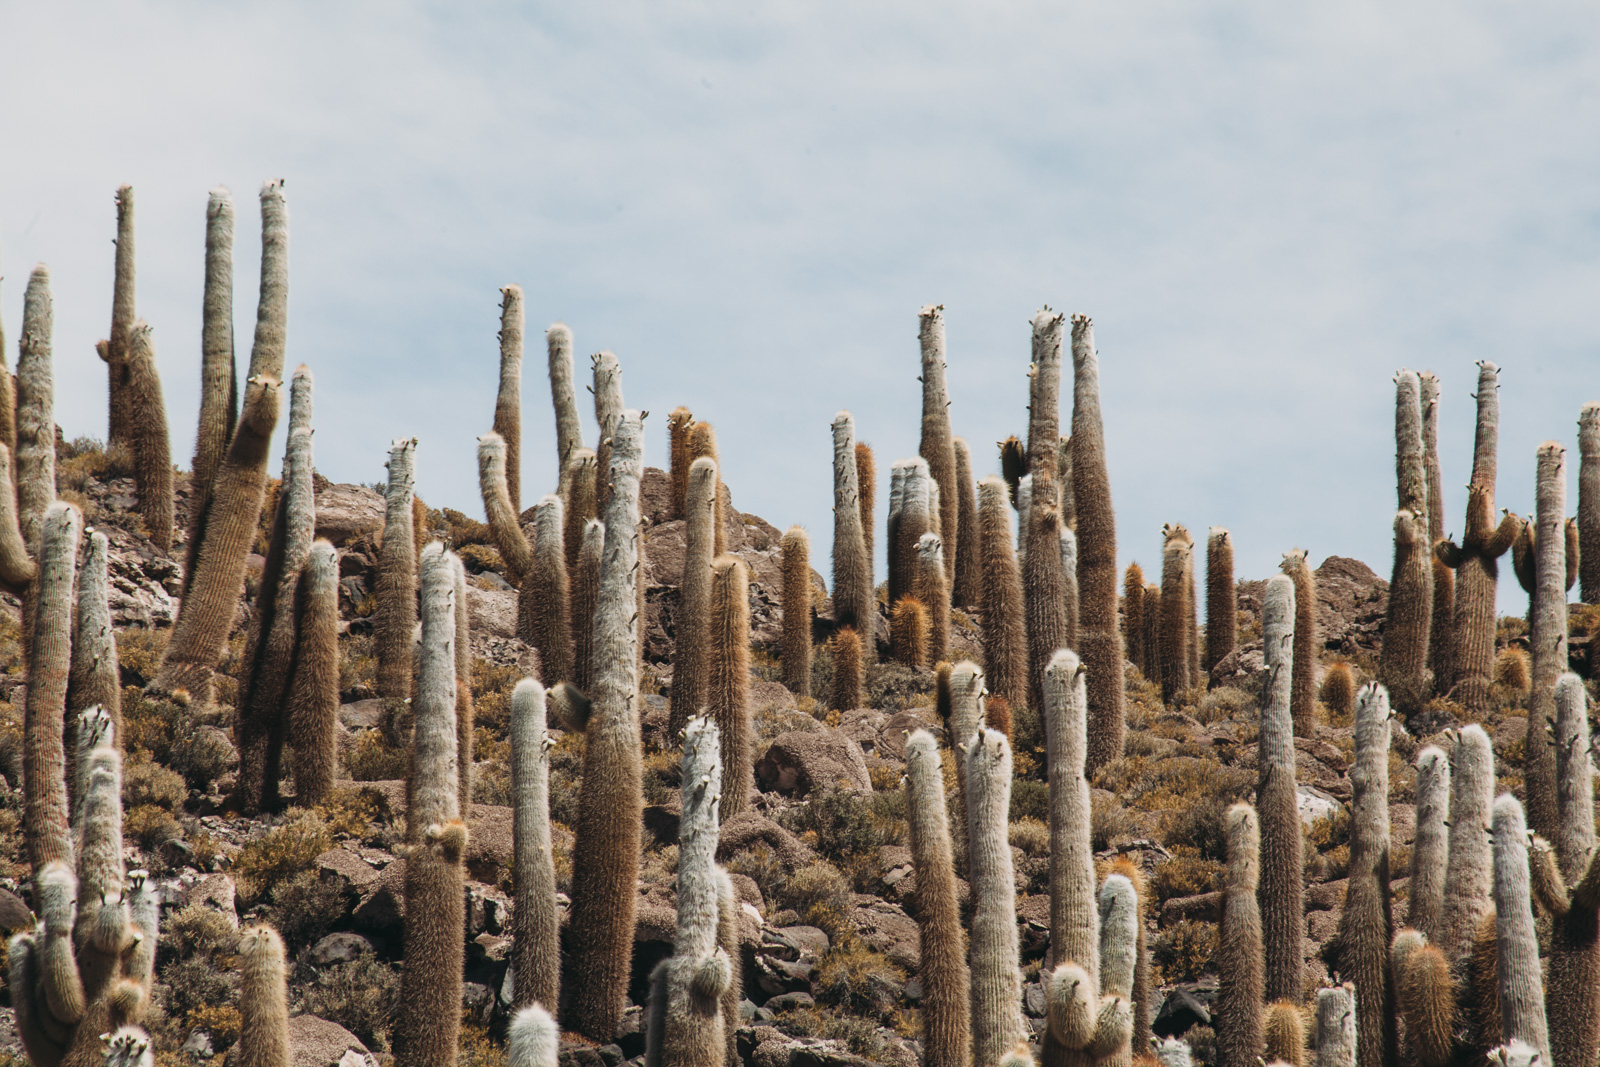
(564, 399)
(1283, 1031)
(908, 632)
(585, 595)
(533, 1039)
(579, 500)
(946, 981)
(1005, 650)
(1365, 924)
(263, 1000)
(866, 495)
(535, 946)
(692, 649)
(853, 601)
(845, 649)
(796, 611)
(396, 618)
(1468, 868)
(1425, 994)
(997, 1023)
(1239, 960)
(1277, 801)
(1430, 849)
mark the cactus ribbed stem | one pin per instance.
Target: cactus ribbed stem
(1430, 850)
(1239, 967)
(1152, 632)
(1365, 924)
(1589, 502)
(967, 691)
(1303, 695)
(1024, 514)
(1177, 569)
(1044, 593)
(853, 601)
(1335, 1040)
(1547, 636)
(1099, 641)
(545, 599)
(931, 587)
(1411, 476)
(1222, 600)
(95, 679)
(1440, 627)
(966, 567)
(728, 679)
(908, 632)
(508, 401)
(600, 932)
(505, 521)
(272, 306)
(45, 818)
(997, 1022)
(219, 383)
(1277, 800)
(845, 649)
(396, 620)
(313, 711)
(1468, 876)
(536, 944)
(123, 313)
(1284, 1034)
(867, 489)
(1575, 833)
(579, 500)
(691, 664)
(946, 1011)
(147, 429)
(263, 1000)
(585, 595)
(938, 445)
(1133, 609)
(36, 428)
(1403, 660)
(1005, 649)
(1520, 983)
(1074, 923)
(466, 714)
(1426, 996)
(796, 607)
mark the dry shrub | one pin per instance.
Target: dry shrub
(1185, 875)
(375, 759)
(1030, 835)
(151, 826)
(1225, 703)
(1109, 821)
(1184, 951)
(821, 896)
(284, 851)
(146, 782)
(854, 978)
(362, 996)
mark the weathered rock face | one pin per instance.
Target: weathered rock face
(1351, 603)
(319, 1043)
(808, 762)
(345, 511)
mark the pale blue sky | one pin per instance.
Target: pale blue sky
(1267, 209)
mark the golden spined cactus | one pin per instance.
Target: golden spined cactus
(123, 312)
(965, 569)
(854, 603)
(396, 619)
(95, 680)
(1338, 690)
(200, 634)
(219, 381)
(908, 632)
(536, 940)
(691, 664)
(844, 647)
(946, 981)
(1430, 851)
(1468, 875)
(938, 443)
(1441, 625)
(1177, 569)
(997, 1022)
(867, 495)
(608, 407)
(313, 709)
(1365, 926)
(585, 595)
(1284, 1033)
(263, 1000)
(508, 400)
(1152, 631)
(1277, 800)
(600, 932)
(1239, 996)
(152, 452)
(1099, 640)
(564, 398)
(1303, 695)
(545, 599)
(728, 679)
(1044, 395)
(1547, 633)
(931, 586)
(1222, 600)
(703, 445)
(1426, 995)
(1005, 649)
(1043, 588)
(1521, 983)
(272, 305)
(796, 611)
(1403, 660)
(533, 1039)
(428, 1029)
(1133, 609)
(679, 423)
(1334, 1042)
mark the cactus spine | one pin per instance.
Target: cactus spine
(313, 710)
(845, 649)
(152, 451)
(508, 401)
(94, 679)
(534, 1039)
(679, 423)
(578, 498)
(1239, 966)
(867, 487)
(44, 757)
(272, 305)
(1430, 849)
(796, 611)
(1520, 984)
(1441, 626)
(1005, 650)
(853, 601)
(1044, 592)
(1044, 396)
(691, 664)
(1303, 693)
(1099, 642)
(931, 588)
(1425, 994)
(585, 595)
(1222, 600)
(1335, 1041)
(946, 981)
(1282, 847)
(1364, 925)
(996, 980)
(219, 383)
(546, 596)
(686, 988)
(967, 573)
(938, 444)
(430, 980)
(396, 618)
(1133, 609)
(535, 948)
(123, 313)
(1468, 876)
(36, 434)
(908, 632)
(608, 411)
(1177, 570)
(1575, 836)
(729, 679)
(263, 1000)
(607, 842)
(1284, 1032)
(1403, 661)
(1547, 636)
(564, 398)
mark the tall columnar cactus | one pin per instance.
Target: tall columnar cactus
(1411, 475)
(35, 458)
(607, 390)
(1133, 609)
(536, 941)
(1365, 926)
(1520, 985)
(932, 589)
(1575, 833)
(1425, 994)
(685, 1027)
(219, 379)
(1430, 851)
(1547, 634)
(728, 679)
(946, 981)
(845, 650)
(1441, 627)
(967, 572)
(853, 601)
(691, 662)
(1069, 581)
(866, 497)
(585, 596)
(1005, 649)
(260, 723)
(679, 422)
(508, 400)
(263, 1000)
(1120, 924)
(967, 692)
(579, 500)
(428, 1029)
(466, 713)
(1589, 502)
(212, 594)
(1303, 694)
(703, 445)
(313, 704)
(908, 632)
(1277, 801)
(600, 932)
(95, 680)
(396, 617)
(796, 546)
(1475, 561)
(1152, 631)
(533, 1039)
(938, 444)
(1044, 592)
(1334, 1044)
(123, 313)
(728, 921)
(546, 595)
(897, 498)
(1468, 875)
(1177, 569)
(1239, 968)
(564, 398)
(1222, 600)
(272, 304)
(147, 431)
(1044, 396)
(997, 1022)
(1403, 660)
(1099, 641)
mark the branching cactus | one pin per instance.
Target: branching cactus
(1133, 609)
(1005, 650)
(1222, 600)
(1303, 694)
(685, 1027)
(219, 381)
(313, 711)
(533, 1039)
(536, 946)
(508, 400)
(263, 1000)
(1239, 966)
(691, 652)
(997, 1023)
(1468, 875)
(1177, 568)
(966, 567)
(396, 619)
(1547, 635)
(1441, 629)
(1282, 892)
(853, 601)
(796, 546)
(938, 444)
(1431, 848)
(152, 450)
(1099, 641)
(430, 981)
(600, 932)
(1403, 661)
(946, 981)
(1589, 502)
(1521, 985)
(1365, 925)
(1335, 1042)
